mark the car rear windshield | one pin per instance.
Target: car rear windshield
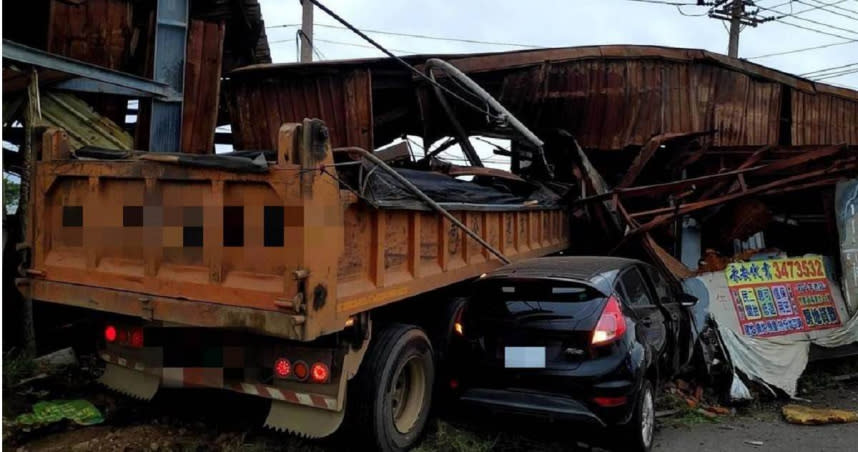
(518, 297)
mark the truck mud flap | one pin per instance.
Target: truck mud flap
(303, 420)
(130, 382)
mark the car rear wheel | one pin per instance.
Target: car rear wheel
(391, 394)
(637, 434)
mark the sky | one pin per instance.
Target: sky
(553, 23)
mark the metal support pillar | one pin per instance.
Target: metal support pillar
(171, 28)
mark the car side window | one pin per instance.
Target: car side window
(635, 290)
(662, 289)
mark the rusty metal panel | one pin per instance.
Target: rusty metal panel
(820, 118)
(258, 105)
(611, 97)
(202, 86)
(95, 31)
(611, 104)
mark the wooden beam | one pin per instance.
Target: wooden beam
(648, 151)
(752, 160)
(668, 213)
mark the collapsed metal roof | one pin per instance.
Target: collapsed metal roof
(607, 97)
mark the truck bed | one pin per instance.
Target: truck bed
(285, 252)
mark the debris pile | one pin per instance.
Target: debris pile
(681, 396)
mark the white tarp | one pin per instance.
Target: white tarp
(779, 360)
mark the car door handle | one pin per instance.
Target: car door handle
(646, 322)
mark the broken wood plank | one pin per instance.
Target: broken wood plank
(648, 151)
(656, 190)
(193, 61)
(84, 126)
(202, 86)
(752, 160)
(669, 213)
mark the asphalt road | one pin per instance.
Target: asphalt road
(775, 435)
(768, 427)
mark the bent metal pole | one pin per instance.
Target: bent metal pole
(425, 198)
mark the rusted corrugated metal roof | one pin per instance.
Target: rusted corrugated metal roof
(608, 97)
(259, 106)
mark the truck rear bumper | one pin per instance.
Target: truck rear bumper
(213, 377)
(550, 406)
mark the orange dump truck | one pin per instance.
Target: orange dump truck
(268, 275)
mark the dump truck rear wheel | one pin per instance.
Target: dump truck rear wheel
(389, 399)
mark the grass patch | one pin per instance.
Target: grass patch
(450, 438)
(16, 367)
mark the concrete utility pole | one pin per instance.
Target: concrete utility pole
(738, 7)
(306, 31)
(737, 14)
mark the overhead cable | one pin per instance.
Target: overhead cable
(419, 36)
(806, 49)
(813, 73)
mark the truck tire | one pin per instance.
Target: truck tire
(390, 397)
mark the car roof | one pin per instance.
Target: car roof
(599, 271)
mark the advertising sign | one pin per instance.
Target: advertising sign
(781, 296)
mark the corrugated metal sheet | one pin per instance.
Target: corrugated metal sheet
(260, 105)
(611, 97)
(823, 118)
(612, 104)
(95, 31)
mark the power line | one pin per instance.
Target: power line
(813, 73)
(794, 16)
(806, 49)
(679, 8)
(300, 34)
(421, 36)
(814, 30)
(343, 43)
(659, 2)
(837, 74)
(833, 5)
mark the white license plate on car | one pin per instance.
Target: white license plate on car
(524, 357)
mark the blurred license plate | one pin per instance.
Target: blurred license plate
(524, 357)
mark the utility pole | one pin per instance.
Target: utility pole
(735, 24)
(306, 31)
(737, 14)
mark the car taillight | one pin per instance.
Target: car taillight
(458, 327)
(611, 325)
(282, 368)
(300, 370)
(110, 333)
(319, 373)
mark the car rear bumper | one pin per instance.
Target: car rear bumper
(555, 407)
